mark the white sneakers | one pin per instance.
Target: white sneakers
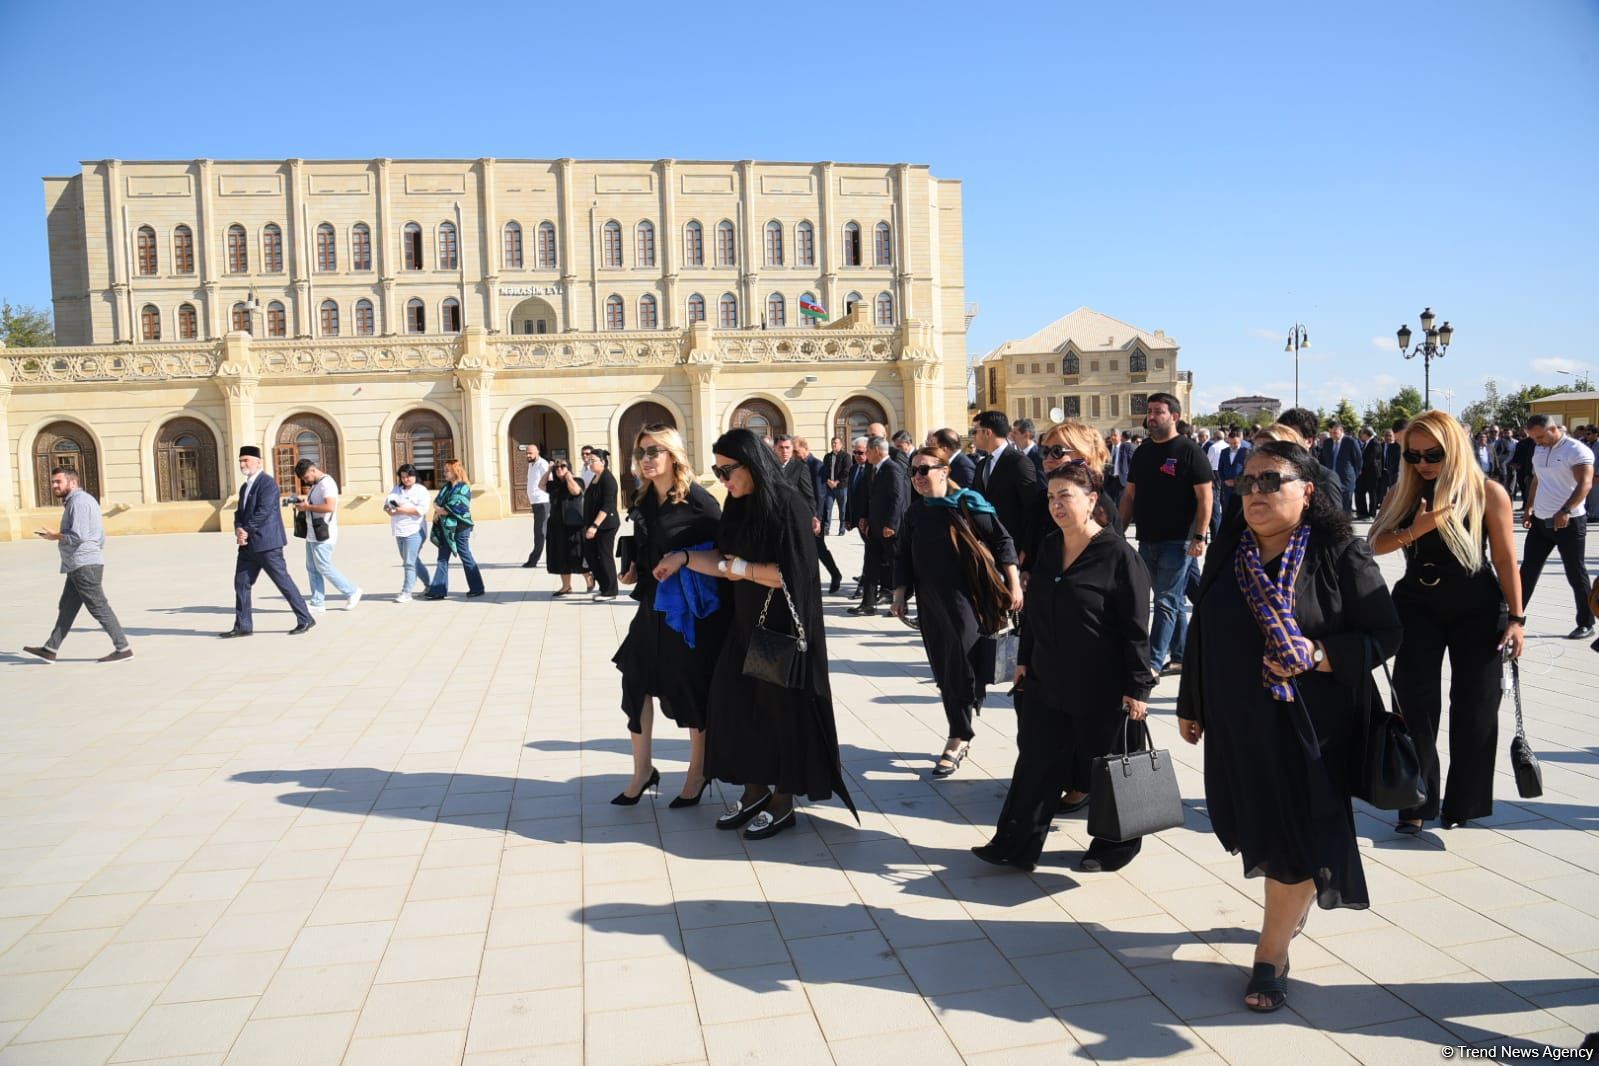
(404, 597)
(355, 600)
(316, 608)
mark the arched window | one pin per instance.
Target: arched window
(611, 246)
(850, 301)
(852, 244)
(240, 317)
(360, 247)
(305, 436)
(64, 444)
(696, 308)
(805, 245)
(855, 414)
(1071, 364)
(423, 439)
(726, 244)
(238, 250)
(774, 244)
(885, 309)
(416, 316)
(694, 244)
(277, 320)
(364, 324)
(188, 323)
(644, 244)
(183, 250)
(648, 318)
(147, 258)
(1138, 363)
(776, 311)
(808, 298)
(614, 318)
(884, 245)
(327, 249)
(330, 318)
(450, 319)
(513, 246)
(150, 322)
(186, 462)
(546, 251)
(272, 249)
(727, 311)
(411, 245)
(449, 253)
(760, 417)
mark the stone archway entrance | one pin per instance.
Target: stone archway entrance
(628, 427)
(761, 417)
(533, 315)
(855, 414)
(535, 424)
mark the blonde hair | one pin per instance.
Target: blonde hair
(1080, 438)
(1460, 486)
(1278, 431)
(682, 473)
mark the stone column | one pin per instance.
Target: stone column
(474, 376)
(205, 253)
(10, 519)
(565, 246)
(493, 244)
(901, 263)
(300, 264)
(920, 373)
(701, 366)
(825, 238)
(669, 246)
(383, 249)
(237, 378)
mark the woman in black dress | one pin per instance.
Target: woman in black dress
(667, 655)
(1082, 671)
(775, 741)
(565, 531)
(928, 562)
(1290, 619)
(600, 524)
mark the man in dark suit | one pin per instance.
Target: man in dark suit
(962, 468)
(1366, 486)
(1008, 480)
(889, 496)
(258, 530)
(801, 475)
(1023, 437)
(1341, 455)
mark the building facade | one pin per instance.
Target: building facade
(1263, 408)
(1088, 366)
(369, 313)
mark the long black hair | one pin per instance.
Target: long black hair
(1324, 514)
(752, 525)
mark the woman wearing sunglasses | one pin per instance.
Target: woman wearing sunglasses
(564, 538)
(670, 648)
(777, 741)
(1461, 595)
(1291, 617)
(932, 560)
(600, 524)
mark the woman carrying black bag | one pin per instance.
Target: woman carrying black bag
(600, 525)
(564, 547)
(769, 720)
(1290, 617)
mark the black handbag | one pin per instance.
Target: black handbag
(572, 512)
(1529, 777)
(1388, 775)
(1135, 793)
(775, 657)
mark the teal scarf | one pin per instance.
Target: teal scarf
(455, 503)
(968, 499)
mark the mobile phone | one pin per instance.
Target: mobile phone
(41, 533)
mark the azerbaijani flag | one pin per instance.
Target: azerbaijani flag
(813, 310)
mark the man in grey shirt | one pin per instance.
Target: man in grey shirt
(82, 543)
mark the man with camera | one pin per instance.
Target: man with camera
(316, 520)
(258, 531)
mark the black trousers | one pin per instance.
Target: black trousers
(1465, 619)
(600, 555)
(1365, 496)
(872, 569)
(1571, 542)
(541, 518)
(249, 567)
(826, 557)
(81, 589)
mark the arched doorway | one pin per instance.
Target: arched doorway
(186, 462)
(855, 414)
(533, 315)
(423, 439)
(68, 445)
(539, 425)
(632, 422)
(760, 417)
(305, 436)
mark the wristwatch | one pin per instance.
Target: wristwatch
(1516, 619)
(1203, 538)
(1317, 655)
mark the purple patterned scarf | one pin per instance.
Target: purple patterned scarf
(1272, 604)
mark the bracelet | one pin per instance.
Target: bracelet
(686, 559)
(740, 567)
(1517, 619)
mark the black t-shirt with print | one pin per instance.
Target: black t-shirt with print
(1164, 504)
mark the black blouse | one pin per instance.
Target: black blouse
(601, 496)
(659, 528)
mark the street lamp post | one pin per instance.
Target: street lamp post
(1434, 342)
(1298, 339)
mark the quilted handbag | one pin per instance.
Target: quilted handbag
(773, 656)
(1135, 793)
(1529, 777)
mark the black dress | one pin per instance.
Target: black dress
(565, 539)
(654, 658)
(762, 734)
(1276, 793)
(1085, 643)
(599, 551)
(927, 563)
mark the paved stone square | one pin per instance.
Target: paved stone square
(391, 842)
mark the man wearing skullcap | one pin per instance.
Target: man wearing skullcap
(258, 529)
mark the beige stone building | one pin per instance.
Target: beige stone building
(1092, 367)
(372, 312)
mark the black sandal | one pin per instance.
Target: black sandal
(1264, 980)
(1409, 829)
(954, 761)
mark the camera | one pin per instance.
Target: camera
(290, 501)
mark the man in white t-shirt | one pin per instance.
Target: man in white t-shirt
(538, 497)
(317, 520)
(586, 474)
(1555, 516)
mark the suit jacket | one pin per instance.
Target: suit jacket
(860, 487)
(890, 495)
(1228, 469)
(836, 467)
(962, 470)
(1011, 483)
(260, 516)
(1371, 461)
(1037, 459)
(798, 473)
(1342, 458)
(1390, 462)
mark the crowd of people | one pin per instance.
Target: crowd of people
(1248, 580)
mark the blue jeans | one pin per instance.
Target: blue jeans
(319, 570)
(411, 558)
(441, 576)
(1168, 563)
(829, 498)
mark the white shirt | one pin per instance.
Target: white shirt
(405, 525)
(586, 474)
(244, 493)
(535, 477)
(323, 491)
(1555, 469)
(1213, 451)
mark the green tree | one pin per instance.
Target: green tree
(1345, 414)
(1515, 408)
(1406, 404)
(25, 327)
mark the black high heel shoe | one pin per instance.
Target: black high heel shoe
(679, 802)
(654, 783)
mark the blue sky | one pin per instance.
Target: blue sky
(1216, 171)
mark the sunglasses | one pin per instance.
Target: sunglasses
(648, 453)
(725, 473)
(1268, 484)
(1055, 451)
(1431, 455)
(859, 451)
(923, 471)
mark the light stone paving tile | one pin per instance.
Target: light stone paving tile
(1524, 967)
(552, 1017)
(994, 1019)
(735, 946)
(332, 944)
(122, 964)
(81, 1052)
(531, 967)
(38, 952)
(432, 958)
(793, 1038)
(228, 976)
(278, 897)
(442, 917)
(1239, 1037)
(413, 1049)
(82, 1012)
(1335, 998)
(1442, 922)
(417, 1007)
(847, 1010)
(636, 983)
(1073, 978)
(251, 932)
(173, 1029)
(310, 1040)
(743, 995)
(91, 912)
(928, 1046)
(844, 957)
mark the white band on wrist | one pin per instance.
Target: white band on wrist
(741, 566)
